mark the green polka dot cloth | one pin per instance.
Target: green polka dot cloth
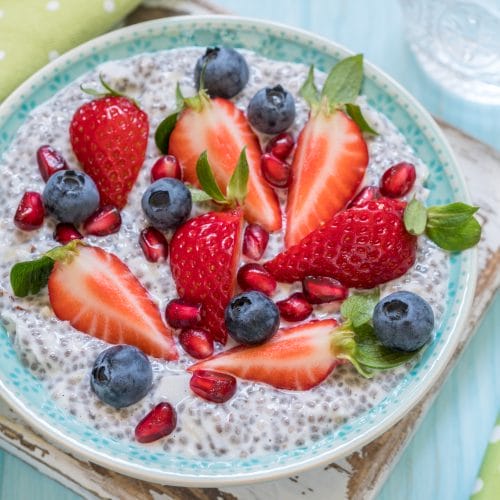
(34, 32)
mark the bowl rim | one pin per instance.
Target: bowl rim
(217, 480)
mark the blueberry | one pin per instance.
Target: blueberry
(252, 318)
(122, 375)
(226, 72)
(403, 321)
(70, 196)
(271, 110)
(167, 203)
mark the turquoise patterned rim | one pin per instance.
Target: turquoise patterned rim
(25, 393)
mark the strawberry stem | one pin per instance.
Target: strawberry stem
(110, 92)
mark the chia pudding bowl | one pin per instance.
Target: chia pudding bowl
(261, 432)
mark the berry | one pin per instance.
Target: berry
(30, 212)
(121, 376)
(275, 171)
(158, 423)
(109, 136)
(49, 161)
(64, 233)
(255, 241)
(255, 277)
(321, 289)
(182, 314)
(197, 343)
(252, 318)
(213, 386)
(368, 193)
(167, 203)
(106, 220)
(153, 244)
(360, 247)
(403, 321)
(70, 196)
(166, 166)
(398, 180)
(96, 292)
(226, 72)
(281, 145)
(295, 307)
(271, 110)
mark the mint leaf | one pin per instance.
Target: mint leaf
(162, 134)
(237, 187)
(415, 217)
(198, 195)
(30, 277)
(309, 91)
(207, 180)
(358, 308)
(343, 83)
(354, 111)
(453, 214)
(456, 238)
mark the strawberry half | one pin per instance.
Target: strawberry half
(97, 293)
(295, 358)
(361, 247)
(204, 257)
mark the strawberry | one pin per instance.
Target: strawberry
(204, 257)
(96, 292)
(296, 358)
(361, 247)
(218, 127)
(109, 136)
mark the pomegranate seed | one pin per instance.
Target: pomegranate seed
(321, 289)
(281, 146)
(255, 277)
(158, 423)
(65, 233)
(166, 166)
(213, 386)
(153, 244)
(295, 307)
(275, 171)
(367, 194)
(106, 220)
(398, 180)
(255, 241)
(30, 212)
(181, 314)
(49, 161)
(197, 343)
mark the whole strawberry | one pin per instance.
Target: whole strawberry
(361, 247)
(109, 136)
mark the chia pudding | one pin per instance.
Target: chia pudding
(259, 418)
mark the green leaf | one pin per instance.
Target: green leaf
(454, 214)
(358, 308)
(179, 98)
(30, 277)
(207, 180)
(162, 134)
(343, 346)
(237, 187)
(309, 92)
(456, 238)
(198, 195)
(354, 111)
(343, 83)
(415, 217)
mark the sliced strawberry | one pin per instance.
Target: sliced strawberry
(328, 167)
(221, 129)
(295, 358)
(204, 257)
(96, 292)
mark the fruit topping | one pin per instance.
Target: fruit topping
(403, 321)
(70, 196)
(252, 318)
(105, 220)
(281, 145)
(295, 308)
(204, 257)
(398, 180)
(255, 241)
(49, 161)
(271, 110)
(182, 314)
(368, 193)
(321, 289)
(213, 386)
(64, 233)
(166, 166)
(255, 277)
(159, 422)
(223, 70)
(30, 212)
(121, 376)
(167, 203)
(275, 171)
(197, 343)
(154, 245)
